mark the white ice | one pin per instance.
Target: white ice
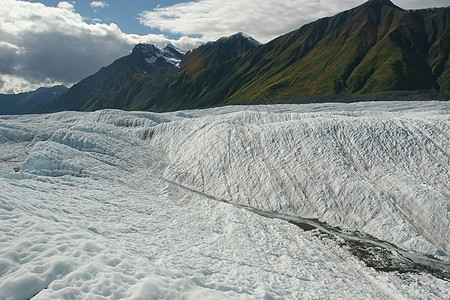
(114, 204)
(166, 54)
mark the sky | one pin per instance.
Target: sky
(50, 42)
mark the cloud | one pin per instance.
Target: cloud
(262, 19)
(66, 5)
(42, 46)
(99, 4)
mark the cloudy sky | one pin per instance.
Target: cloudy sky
(49, 42)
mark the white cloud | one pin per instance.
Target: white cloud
(99, 4)
(66, 5)
(42, 45)
(262, 19)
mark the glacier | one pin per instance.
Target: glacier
(202, 203)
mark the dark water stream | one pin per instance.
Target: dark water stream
(380, 255)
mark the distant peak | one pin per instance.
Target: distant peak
(249, 38)
(151, 53)
(386, 2)
(240, 35)
(147, 50)
(145, 46)
(380, 3)
(170, 47)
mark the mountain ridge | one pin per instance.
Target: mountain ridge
(24, 103)
(130, 81)
(359, 51)
(375, 47)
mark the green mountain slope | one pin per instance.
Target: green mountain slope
(374, 47)
(215, 53)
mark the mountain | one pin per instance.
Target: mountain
(130, 81)
(26, 102)
(123, 84)
(374, 47)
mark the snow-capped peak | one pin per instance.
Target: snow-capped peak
(152, 53)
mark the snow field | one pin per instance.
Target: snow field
(92, 212)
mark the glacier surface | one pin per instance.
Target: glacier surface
(114, 204)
